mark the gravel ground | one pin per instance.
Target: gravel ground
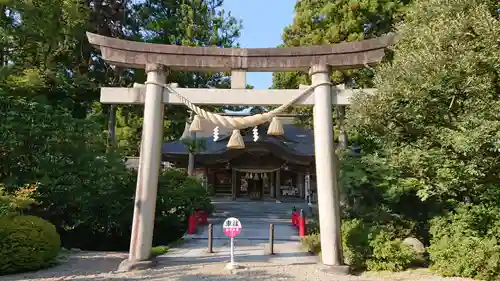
(100, 266)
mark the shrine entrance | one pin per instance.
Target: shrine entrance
(156, 59)
(252, 185)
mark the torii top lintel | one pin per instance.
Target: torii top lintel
(338, 56)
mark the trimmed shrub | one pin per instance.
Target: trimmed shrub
(466, 243)
(27, 243)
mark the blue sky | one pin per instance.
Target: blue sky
(263, 23)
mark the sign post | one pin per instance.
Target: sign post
(232, 228)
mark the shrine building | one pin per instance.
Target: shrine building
(277, 167)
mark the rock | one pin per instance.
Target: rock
(415, 244)
(128, 265)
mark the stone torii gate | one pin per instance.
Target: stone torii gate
(156, 59)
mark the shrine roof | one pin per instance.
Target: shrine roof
(296, 141)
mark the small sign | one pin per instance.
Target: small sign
(232, 227)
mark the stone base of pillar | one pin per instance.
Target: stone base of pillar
(336, 269)
(128, 265)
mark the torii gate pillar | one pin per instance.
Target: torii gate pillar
(326, 175)
(141, 239)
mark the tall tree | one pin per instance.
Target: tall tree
(188, 22)
(329, 22)
(45, 41)
(437, 110)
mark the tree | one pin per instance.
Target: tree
(46, 40)
(436, 113)
(53, 129)
(328, 22)
(190, 23)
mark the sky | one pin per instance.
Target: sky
(263, 22)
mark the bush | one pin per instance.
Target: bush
(465, 243)
(390, 255)
(178, 195)
(15, 203)
(312, 225)
(368, 247)
(376, 191)
(312, 243)
(28, 243)
(356, 238)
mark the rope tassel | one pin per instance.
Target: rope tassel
(185, 134)
(275, 128)
(236, 140)
(195, 125)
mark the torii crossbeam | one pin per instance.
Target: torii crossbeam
(241, 97)
(156, 58)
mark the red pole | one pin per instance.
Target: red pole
(191, 224)
(302, 224)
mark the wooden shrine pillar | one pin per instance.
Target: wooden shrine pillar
(272, 185)
(212, 181)
(278, 184)
(300, 184)
(234, 184)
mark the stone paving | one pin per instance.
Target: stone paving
(253, 242)
(246, 251)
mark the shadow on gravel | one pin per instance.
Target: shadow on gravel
(179, 275)
(75, 264)
(241, 275)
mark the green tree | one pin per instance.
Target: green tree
(190, 23)
(438, 102)
(328, 22)
(45, 41)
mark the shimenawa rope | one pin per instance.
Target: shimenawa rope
(237, 122)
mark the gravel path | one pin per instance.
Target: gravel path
(190, 262)
(100, 266)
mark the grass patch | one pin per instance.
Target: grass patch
(158, 251)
